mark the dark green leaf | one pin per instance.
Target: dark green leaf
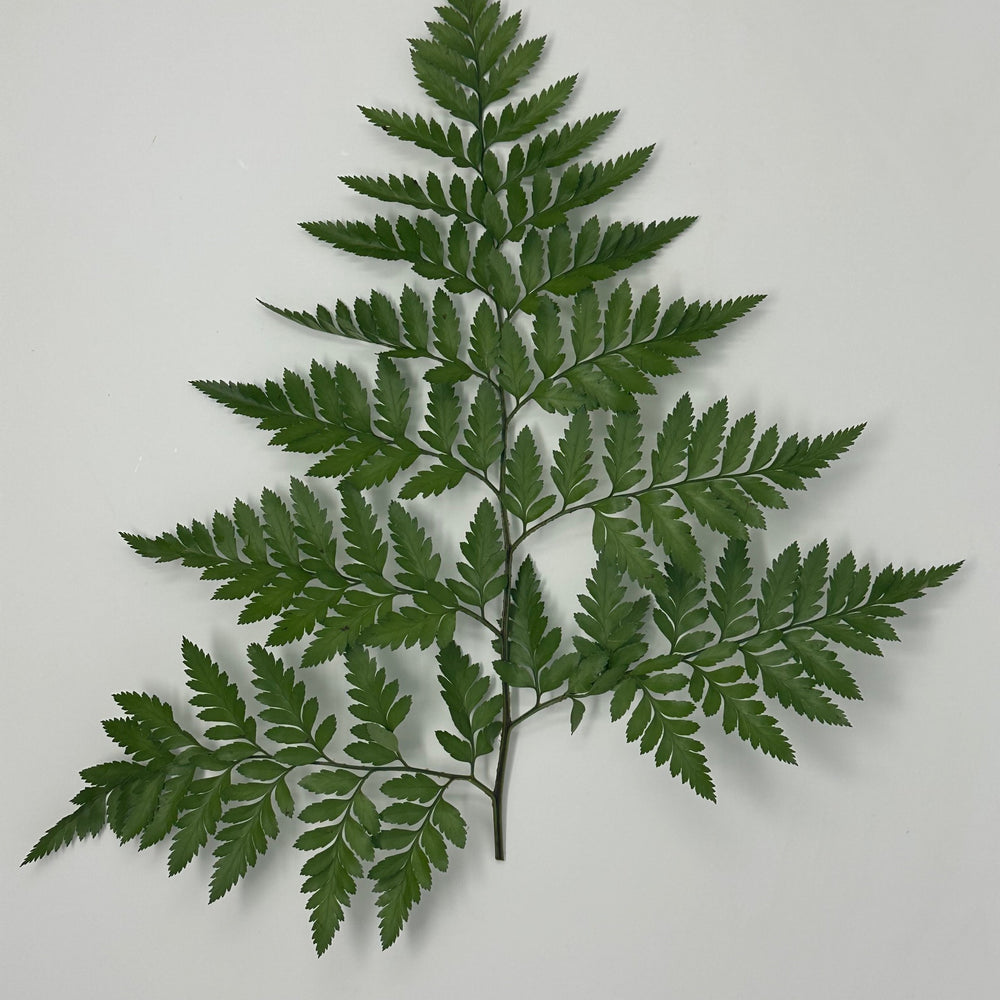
(533, 645)
(483, 443)
(216, 696)
(663, 724)
(516, 120)
(523, 480)
(670, 531)
(465, 691)
(623, 452)
(87, 820)
(426, 133)
(668, 458)
(572, 461)
(483, 552)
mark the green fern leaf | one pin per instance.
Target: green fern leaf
(618, 538)
(668, 457)
(341, 841)
(418, 563)
(732, 607)
(291, 715)
(515, 374)
(434, 480)
(443, 413)
(671, 532)
(484, 556)
(416, 844)
(532, 644)
(557, 147)
(407, 190)
(523, 493)
(375, 700)
(177, 779)
(799, 459)
(366, 544)
(444, 76)
(445, 141)
(87, 820)
(201, 811)
(243, 837)
(476, 716)
(483, 442)
(788, 682)
(623, 452)
(313, 527)
(572, 461)
(662, 724)
(778, 589)
(613, 628)
(216, 697)
(491, 35)
(579, 186)
(511, 69)
(528, 114)
(620, 247)
(706, 439)
(510, 322)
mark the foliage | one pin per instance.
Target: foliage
(517, 316)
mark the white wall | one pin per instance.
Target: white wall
(843, 157)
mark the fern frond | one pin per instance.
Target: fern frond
(575, 264)
(446, 141)
(618, 352)
(521, 312)
(331, 415)
(428, 196)
(417, 843)
(533, 645)
(517, 120)
(554, 148)
(342, 837)
(785, 638)
(442, 75)
(581, 185)
(88, 819)
(662, 724)
(475, 714)
(522, 494)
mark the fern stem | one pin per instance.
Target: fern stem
(481, 619)
(404, 769)
(506, 725)
(499, 786)
(541, 706)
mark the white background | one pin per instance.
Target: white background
(843, 157)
